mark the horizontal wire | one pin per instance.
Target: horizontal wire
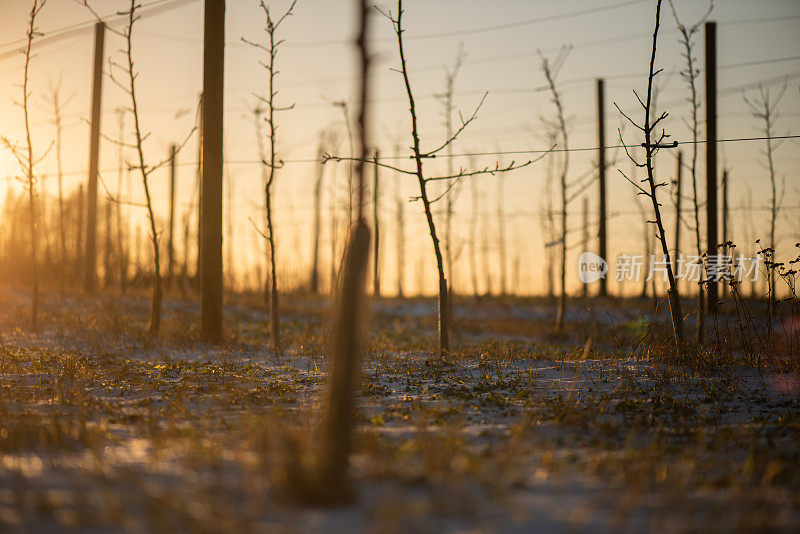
(444, 156)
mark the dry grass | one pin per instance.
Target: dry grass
(103, 427)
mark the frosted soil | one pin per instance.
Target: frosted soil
(103, 428)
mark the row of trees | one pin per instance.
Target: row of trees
(324, 479)
(432, 189)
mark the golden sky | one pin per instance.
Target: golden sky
(757, 41)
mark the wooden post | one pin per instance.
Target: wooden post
(211, 186)
(711, 156)
(376, 280)
(678, 192)
(601, 179)
(338, 423)
(90, 260)
(171, 236)
(337, 420)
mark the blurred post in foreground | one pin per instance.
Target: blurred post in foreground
(211, 183)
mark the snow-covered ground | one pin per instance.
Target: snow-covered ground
(103, 428)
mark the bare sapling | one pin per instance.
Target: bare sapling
(78, 258)
(726, 238)
(334, 238)
(271, 48)
(485, 259)
(28, 159)
(418, 155)
(547, 221)
(187, 217)
(108, 249)
(58, 108)
(314, 277)
(348, 126)
(448, 108)
(127, 83)
(401, 240)
(690, 74)
(677, 189)
(764, 108)
(258, 116)
(122, 241)
(647, 244)
(171, 225)
(559, 124)
(473, 240)
(199, 197)
(585, 237)
(501, 235)
(376, 242)
(653, 142)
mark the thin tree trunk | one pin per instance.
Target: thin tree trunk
(376, 280)
(185, 262)
(29, 168)
(473, 242)
(229, 226)
(487, 271)
(155, 310)
(334, 232)
(585, 243)
(444, 344)
(450, 79)
(79, 233)
(564, 147)
(274, 312)
(62, 230)
(678, 204)
(725, 236)
(171, 234)
(401, 243)
(690, 75)
(712, 178)
(501, 235)
(271, 49)
(648, 250)
(199, 179)
(122, 244)
(108, 251)
(314, 280)
(650, 148)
